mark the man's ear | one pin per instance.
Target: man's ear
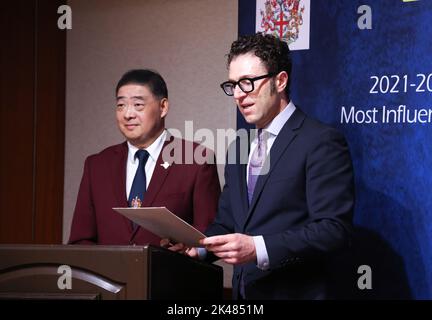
(281, 81)
(164, 107)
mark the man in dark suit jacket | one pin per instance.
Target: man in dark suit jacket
(190, 190)
(279, 232)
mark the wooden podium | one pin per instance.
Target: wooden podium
(105, 272)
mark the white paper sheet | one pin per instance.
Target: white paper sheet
(163, 223)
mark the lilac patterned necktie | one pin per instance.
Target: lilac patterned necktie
(256, 163)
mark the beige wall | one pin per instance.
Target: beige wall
(185, 40)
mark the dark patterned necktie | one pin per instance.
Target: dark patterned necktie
(136, 194)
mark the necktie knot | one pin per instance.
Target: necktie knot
(142, 155)
(259, 154)
(260, 134)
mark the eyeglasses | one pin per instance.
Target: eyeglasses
(245, 84)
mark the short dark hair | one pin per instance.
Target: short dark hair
(273, 52)
(145, 77)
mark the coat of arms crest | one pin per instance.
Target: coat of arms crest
(282, 18)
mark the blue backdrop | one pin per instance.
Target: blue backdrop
(375, 85)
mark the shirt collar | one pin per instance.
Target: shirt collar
(275, 126)
(153, 149)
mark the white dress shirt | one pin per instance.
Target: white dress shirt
(132, 164)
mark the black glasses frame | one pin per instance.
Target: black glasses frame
(252, 81)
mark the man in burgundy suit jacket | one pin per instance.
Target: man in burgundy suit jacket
(191, 191)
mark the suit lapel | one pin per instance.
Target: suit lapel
(243, 188)
(119, 180)
(283, 140)
(241, 166)
(118, 177)
(160, 173)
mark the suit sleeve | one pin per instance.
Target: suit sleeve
(206, 196)
(330, 202)
(83, 230)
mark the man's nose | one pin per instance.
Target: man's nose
(129, 112)
(238, 93)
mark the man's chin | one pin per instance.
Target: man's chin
(132, 139)
(250, 119)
